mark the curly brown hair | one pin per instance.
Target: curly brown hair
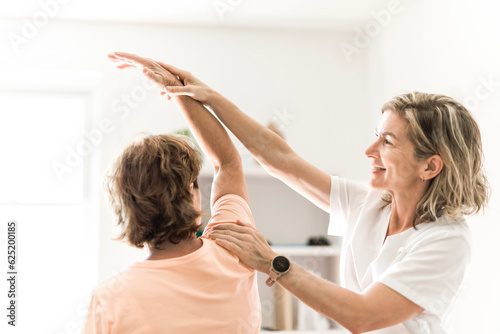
(149, 189)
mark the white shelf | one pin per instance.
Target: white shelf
(326, 251)
(332, 331)
(250, 171)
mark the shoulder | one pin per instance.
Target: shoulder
(229, 209)
(355, 206)
(347, 195)
(445, 228)
(229, 201)
(446, 235)
(339, 184)
(114, 285)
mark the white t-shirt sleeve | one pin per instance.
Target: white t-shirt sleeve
(345, 197)
(431, 271)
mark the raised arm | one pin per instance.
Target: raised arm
(272, 152)
(210, 134)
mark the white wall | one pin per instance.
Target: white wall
(450, 47)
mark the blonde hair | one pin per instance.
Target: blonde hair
(439, 125)
(149, 188)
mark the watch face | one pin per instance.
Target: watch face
(281, 264)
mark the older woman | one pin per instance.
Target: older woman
(186, 284)
(406, 244)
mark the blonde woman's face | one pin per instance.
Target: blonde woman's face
(394, 167)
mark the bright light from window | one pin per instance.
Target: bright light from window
(36, 131)
(55, 272)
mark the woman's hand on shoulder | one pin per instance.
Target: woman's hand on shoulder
(246, 242)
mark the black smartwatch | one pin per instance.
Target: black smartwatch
(280, 265)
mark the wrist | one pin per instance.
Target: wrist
(267, 264)
(280, 266)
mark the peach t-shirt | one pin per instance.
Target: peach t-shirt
(206, 291)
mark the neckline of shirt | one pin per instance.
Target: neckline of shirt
(175, 260)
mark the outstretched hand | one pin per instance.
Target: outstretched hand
(152, 69)
(171, 80)
(247, 243)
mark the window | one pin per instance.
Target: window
(42, 182)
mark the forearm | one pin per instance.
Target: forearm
(378, 306)
(339, 304)
(265, 145)
(210, 134)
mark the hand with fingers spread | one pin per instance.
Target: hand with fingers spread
(152, 69)
(171, 80)
(246, 242)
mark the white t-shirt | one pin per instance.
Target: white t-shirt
(426, 265)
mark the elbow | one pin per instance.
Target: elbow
(357, 325)
(230, 160)
(359, 319)
(357, 329)
(354, 331)
(364, 323)
(233, 165)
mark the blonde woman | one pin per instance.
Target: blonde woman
(406, 243)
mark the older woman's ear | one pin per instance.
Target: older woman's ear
(434, 167)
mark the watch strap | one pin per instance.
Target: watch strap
(273, 277)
